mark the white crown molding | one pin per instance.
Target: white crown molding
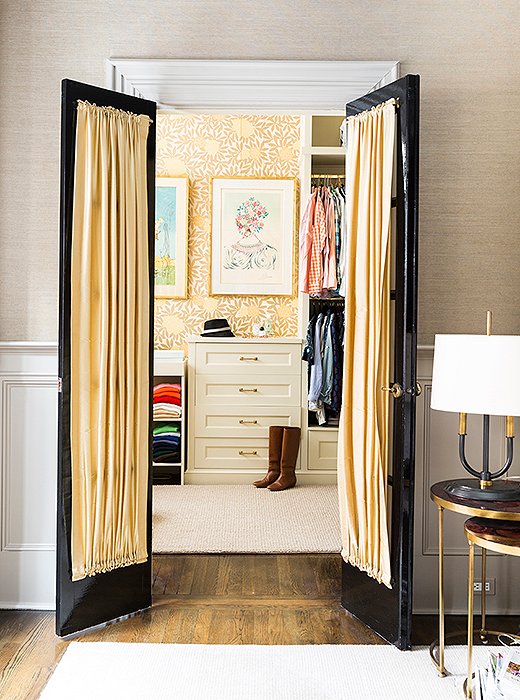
(212, 85)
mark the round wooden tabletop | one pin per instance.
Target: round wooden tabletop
(496, 510)
(499, 536)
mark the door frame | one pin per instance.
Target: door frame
(293, 87)
(271, 87)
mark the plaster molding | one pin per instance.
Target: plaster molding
(212, 85)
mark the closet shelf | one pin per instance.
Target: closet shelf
(167, 420)
(319, 428)
(170, 368)
(323, 151)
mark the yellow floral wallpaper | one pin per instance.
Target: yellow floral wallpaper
(203, 146)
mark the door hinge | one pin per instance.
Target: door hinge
(60, 385)
(415, 392)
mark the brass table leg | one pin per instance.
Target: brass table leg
(442, 670)
(483, 633)
(471, 578)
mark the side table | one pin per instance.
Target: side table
(494, 510)
(498, 536)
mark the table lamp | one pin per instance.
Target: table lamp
(480, 374)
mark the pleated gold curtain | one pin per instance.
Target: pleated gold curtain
(109, 389)
(364, 424)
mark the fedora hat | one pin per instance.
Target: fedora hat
(217, 328)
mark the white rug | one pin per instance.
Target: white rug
(242, 519)
(109, 671)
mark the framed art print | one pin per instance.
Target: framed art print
(171, 237)
(252, 235)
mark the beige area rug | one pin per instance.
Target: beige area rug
(106, 671)
(241, 519)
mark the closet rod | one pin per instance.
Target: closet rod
(327, 300)
(331, 176)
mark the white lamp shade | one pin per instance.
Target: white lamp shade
(477, 374)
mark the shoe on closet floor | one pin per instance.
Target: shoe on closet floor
(290, 449)
(275, 452)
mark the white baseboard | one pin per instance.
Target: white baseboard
(25, 605)
(200, 478)
(512, 612)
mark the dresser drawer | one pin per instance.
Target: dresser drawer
(323, 450)
(229, 390)
(228, 454)
(232, 422)
(215, 453)
(248, 359)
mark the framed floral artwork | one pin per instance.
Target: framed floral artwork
(171, 237)
(252, 235)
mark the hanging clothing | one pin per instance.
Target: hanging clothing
(306, 237)
(319, 238)
(322, 241)
(316, 375)
(327, 368)
(330, 280)
(323, 351)
(337, 333)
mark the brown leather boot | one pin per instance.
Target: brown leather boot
(275, 451)
(290, 448)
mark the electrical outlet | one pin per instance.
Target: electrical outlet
(490, 586)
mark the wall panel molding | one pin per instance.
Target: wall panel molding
(29, 347)
(9, 465)
(28, 437)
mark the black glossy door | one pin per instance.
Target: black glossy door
(97, 599)
(389, 611)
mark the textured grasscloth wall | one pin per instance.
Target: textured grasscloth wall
(212, 145)
(467, 53)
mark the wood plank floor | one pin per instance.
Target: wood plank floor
(209, 599)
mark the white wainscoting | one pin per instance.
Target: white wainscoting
(437, 459)
(28, 419)
(28, 439)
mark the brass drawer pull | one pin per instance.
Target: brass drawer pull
(245, 452)
(244, 359)
(242, 421)
(243, 390)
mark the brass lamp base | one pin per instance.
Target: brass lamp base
(498, 490)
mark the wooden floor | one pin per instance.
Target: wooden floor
(213, 599)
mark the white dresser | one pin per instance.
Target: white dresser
(237, 388)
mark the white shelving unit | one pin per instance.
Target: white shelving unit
(321, 154)
(170, 367)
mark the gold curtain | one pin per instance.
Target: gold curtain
(109, 341)
(364, 429)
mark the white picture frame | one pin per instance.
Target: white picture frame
(252, 236)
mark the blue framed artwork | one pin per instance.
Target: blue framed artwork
(171, 237)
